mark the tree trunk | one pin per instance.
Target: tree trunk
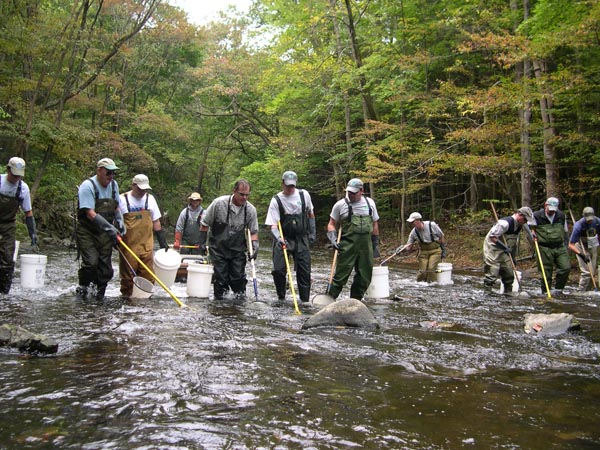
(549, 133)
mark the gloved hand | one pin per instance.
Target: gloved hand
(202, 242)
(281, 242)
(502, 247)
(312, 230)
(375, 244)
(332, 236)
(444, 250)
(254, 251)
(103, 225)
(399, 249)
(585, 258)
(177, 243)
(120, 227)
(162, 240)
(30, 222)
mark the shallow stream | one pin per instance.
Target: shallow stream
(147, 374)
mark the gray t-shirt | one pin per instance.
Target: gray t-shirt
(238, 219)
(359, 208)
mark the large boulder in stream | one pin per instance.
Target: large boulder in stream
(26, 341)
(345, 313)
(550, 324)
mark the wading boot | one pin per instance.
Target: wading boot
(81, 292)
(5, 281)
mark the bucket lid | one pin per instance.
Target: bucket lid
(33, 258)
(167, 258)
(199, 266)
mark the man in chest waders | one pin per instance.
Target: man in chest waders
(497, 254)
(432, 246)
(187, 229)
(294, 209)
(96, 235)
(14, 194)
(142, 221)
(551, 232)
(228, 217)
(359, 242)
(584, 243)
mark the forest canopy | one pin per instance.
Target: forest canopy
(438, 106)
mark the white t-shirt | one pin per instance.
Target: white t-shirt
(138, 204)
(10, 190)
(292, 204)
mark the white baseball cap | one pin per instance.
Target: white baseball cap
(107, 163)
(289, 178)
(414, 216)
(552, 204)
(17, 166)
(354, 185)
(142, 181)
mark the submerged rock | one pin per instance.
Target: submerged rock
(550, 324)
(26, 341)
(321, 300)
(345, 313)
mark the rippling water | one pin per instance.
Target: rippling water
(146, 374)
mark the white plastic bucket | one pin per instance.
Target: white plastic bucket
(166, 264)
(198, 279)
(33, 269)
(444, 273)
(380, 285)
(516, 281)
(142, 288)
(16, 253)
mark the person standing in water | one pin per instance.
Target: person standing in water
(142, 222)
(98, 212)
(359, 242)
(14, 194)
(294, 209)
(228, 217)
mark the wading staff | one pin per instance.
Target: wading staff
(254, 282)
(167, 290)
(287, 265)
(537, 249)
(334, 262)
(512, 263)
(397, 252)
(589, 263)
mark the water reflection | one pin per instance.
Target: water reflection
(148, 374)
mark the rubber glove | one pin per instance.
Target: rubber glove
(254, 254)
(332, 236)
(103, 225)
(162, 240)
(277, 236)
(177, 243)
(30, 222)
(444, 250)
(584, 257)
(312, 230)
(375, 244)
(202, 241)
(502, 247)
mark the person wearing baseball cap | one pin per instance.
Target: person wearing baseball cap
(429, 237)
(293, 208)
(358, 219)
(187, 229)
(551, 232)
(96, 235)
(14, 194)
(584, 243)
(500, 245)
(141, 217)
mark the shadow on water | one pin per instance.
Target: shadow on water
(449, 368)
